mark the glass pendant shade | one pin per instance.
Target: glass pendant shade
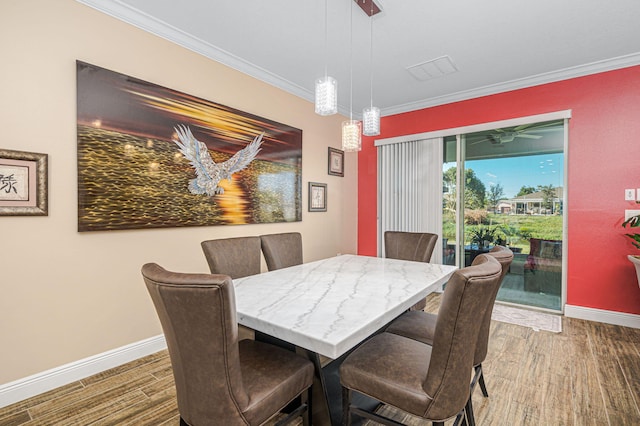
(351, 139)
(326, 96)
(371, 121)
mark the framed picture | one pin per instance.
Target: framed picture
(23, 183)
(138, 168)
(317, 197)
(336, 162)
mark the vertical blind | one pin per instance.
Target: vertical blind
(410, 190)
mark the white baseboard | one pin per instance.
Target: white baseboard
(42, 382)
(599, 315)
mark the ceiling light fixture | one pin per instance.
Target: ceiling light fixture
(351, 129)
(326, 101)
(371, 115)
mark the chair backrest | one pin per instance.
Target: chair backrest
(504, 256)
(282, 250)
(416, 246)
(198, 317)
(236, 257)
(466, 298)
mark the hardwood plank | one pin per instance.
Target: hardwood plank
(495, 409)
(15, 419)
(88, 398)
(148, 411)
(557, 407)
(630, 365)
(523, 414)
(138, 365)
(619, 401)
(161, 386)
(532, 391)
(87, 411)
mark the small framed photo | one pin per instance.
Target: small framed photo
(336, 162)
(317, 197)
(23, 183)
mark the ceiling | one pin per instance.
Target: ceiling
(491, 46)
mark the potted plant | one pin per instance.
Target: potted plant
(634, 222)
(482, 236)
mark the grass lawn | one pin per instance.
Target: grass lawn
(516, 228)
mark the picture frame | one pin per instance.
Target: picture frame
(336, 162)
(134, 174)
(23, 183)
(317, 197)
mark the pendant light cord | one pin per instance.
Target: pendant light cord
(351, 64)
(371, 55)
(326, 40)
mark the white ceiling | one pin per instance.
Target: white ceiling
(495, 45)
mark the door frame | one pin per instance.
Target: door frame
(472, 128)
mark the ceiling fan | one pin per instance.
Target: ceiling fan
(499, 137)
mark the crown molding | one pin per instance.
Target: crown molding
(146, 22)
(522, 83)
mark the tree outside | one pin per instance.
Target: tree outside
(474, 189)
(494, 195)
(548, 195)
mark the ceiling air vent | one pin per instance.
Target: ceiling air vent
(433, 69)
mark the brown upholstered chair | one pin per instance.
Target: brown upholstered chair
(236, 257)
(218, 379)
(282, 250)
(419, 325)
(429, 381)
(416, 246)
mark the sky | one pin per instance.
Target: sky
(512, 173)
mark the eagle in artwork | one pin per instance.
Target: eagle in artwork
(209, 173)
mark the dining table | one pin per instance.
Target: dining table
(326, 308)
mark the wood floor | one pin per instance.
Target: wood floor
(587, 375)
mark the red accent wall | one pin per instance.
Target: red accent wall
(603, 160)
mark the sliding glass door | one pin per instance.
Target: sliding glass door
(505, 186)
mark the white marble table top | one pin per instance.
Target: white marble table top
(331, 305)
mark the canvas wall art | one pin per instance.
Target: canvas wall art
(151, 157)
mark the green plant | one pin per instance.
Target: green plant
(633, 222)
(481, 234)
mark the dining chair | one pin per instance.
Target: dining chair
(218, 379)
(236, 257)
(428, 381)
(415, 246)
(282, 250)
(420, 325)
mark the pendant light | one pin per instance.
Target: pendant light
(351, 129)
(326, 100)
(371, 115)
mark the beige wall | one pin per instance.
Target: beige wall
(68, 295)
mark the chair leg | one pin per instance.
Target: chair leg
(483, 386)
(465, 417)
(346, 406)
(303, 408)
(468, 412)
(306, 399)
